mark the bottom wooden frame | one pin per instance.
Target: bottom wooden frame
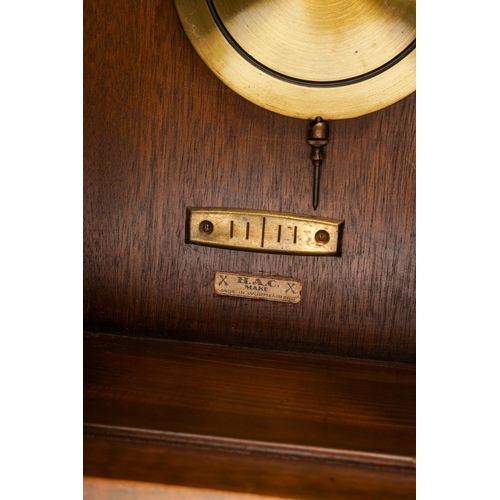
(212, 419)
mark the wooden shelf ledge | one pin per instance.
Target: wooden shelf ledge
(250, 421)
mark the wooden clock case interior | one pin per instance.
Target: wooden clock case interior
(192, 395)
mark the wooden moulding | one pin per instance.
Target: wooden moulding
(248, 421)
(110, 489)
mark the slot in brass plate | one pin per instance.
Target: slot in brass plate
(263, 231)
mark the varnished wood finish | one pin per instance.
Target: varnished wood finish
(219, 417)
(241, 472)
(109, 489)
(315, 401)
(163, 133)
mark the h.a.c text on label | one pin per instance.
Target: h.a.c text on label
(272, 288)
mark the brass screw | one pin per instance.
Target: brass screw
(206, 227)
(322, 236)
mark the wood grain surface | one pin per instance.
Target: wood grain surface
(245, 473)
(323, 406)
(254, 421)
(111, 489)
(163, 133)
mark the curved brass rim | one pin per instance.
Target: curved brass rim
(286, 94)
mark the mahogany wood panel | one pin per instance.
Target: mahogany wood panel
(240, 472)
(345, 409)
(163, 133)
(283, 424)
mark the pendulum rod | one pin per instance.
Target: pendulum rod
(317, 138)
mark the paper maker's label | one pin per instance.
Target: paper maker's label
(249, 286)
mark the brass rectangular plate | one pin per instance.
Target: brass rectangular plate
(274, 288)
(263, 231)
